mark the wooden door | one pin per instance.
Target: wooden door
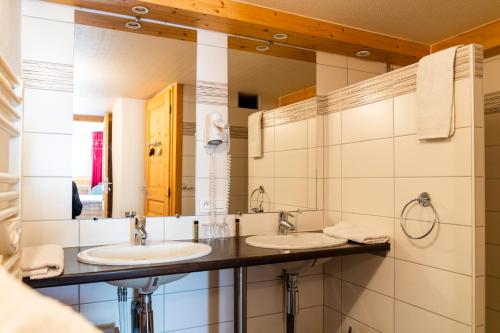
(107, 184)
(163, 153)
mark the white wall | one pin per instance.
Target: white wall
(128, 156)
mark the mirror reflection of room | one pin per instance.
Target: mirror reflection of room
(131, 119)
(274, 165)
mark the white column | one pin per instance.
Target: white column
(211, 96)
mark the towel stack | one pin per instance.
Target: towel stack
(356, 234)
(41, 262)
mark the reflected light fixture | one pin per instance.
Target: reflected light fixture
(140, 10)
(363, 53)
(134, 25)
(280, 36)
(262, 48)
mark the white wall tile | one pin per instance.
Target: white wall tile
(369, 307)
(371, 271)
(374, 196)
(105, 231)
(332, 291)
(368, 122)
(189, 309)
(310, 320)
(48, 111)
(333, 161)
(451, 196)
(211, 63)
(332, 128)
(292, 163)
(329, 78)
(50, 11)
(366, 65)
(66, 294)
(331, 59)
(47, 155)
(310, 220)
(354, 76)
(201, 280)
(333, 194)
(268, 139)
(46, 40)
(368, 159)
(46, 198)
(447, 247)
(411, 319)
(63, 233)
(271, 323)
(291, 136)
(492, 124)
(332, 320)
(271, 291)
(255, 224)
(290, 191)
(261, 167)
(447, 157)
(442, 292)
(310, 291)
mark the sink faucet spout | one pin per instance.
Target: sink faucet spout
(140, 233)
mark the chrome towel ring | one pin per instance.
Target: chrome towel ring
(424, 200)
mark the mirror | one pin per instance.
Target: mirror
(278, 173)
(134, 98)
(134, 125)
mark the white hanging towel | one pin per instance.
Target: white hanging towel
(356, 234)
(41, 262)
(255, 134)
(435, 95)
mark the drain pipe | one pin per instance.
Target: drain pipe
(291, 300)
(142, 314)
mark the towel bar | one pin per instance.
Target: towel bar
(424, 200)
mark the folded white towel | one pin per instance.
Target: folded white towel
(255, 134)
(27, 311)
(435, 95)
(40, 262)
(356, 234)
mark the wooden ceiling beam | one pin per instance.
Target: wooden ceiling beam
(487, 35)
(252, 21)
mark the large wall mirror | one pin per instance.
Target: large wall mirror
(134, 124)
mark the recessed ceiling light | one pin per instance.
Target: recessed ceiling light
(134, 25)
(363, 53)
(141, 10)
(280, 36)
(262, 48)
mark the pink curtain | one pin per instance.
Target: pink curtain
(96, 158)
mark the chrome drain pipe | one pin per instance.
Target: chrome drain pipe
(142, 314)
(291, 300)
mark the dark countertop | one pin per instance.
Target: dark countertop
(231, 252)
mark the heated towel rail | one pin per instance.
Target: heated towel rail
(11, 92)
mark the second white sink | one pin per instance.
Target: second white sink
(150, 254)
(295, 241)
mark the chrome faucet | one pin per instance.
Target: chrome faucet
(140, 233)
(284, 225)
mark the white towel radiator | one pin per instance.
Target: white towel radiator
(11, 92)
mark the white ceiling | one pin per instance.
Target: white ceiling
(425, 21)
(110, 64)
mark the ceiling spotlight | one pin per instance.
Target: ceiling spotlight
(363, 53)
(140, 10)
(133, 25)
(262, 48)
(280, 36)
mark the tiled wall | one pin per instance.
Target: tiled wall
(188, 149)
(492, 140)
(47, 70)
(373, 165)
(287, 168)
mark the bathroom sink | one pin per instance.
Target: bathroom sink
(294, 241)
(150, 254)
(147, 285)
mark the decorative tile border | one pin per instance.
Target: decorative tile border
(492, 102)
(305, 109)
(208, 92)
(47, 75)
(237, 132)
(398, 82)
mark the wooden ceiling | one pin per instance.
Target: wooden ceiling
(236, 18)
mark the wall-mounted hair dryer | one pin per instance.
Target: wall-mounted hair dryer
(214, 129)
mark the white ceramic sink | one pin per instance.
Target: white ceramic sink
(150, 254)
(295, 241)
